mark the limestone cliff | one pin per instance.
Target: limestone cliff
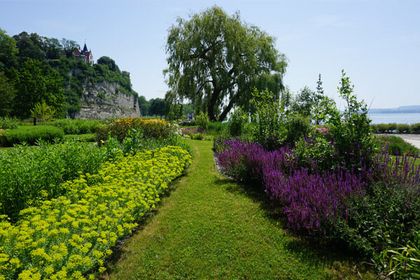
(107, 100)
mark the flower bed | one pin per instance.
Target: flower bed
(71, 235)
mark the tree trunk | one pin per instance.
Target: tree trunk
(34, 121)
(229, 107)
(211, 105)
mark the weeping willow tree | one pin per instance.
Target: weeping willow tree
(215, 61)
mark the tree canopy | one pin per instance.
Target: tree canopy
(215, 61)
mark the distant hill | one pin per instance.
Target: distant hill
(401, 109)
(35, 68)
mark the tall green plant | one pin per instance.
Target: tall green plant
(268, 116)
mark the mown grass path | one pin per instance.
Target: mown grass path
(209, 228)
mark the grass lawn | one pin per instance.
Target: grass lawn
(211, 228)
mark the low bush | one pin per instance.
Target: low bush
(396, 145)
(77, 126)
(8, 123)
(389, 128)
(72, 235)
(237, 122)
(415, 128)
(216, 128)
(386, 216)
(29, 174)
(150, 128)
(30, 135)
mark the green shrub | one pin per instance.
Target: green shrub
(268, 118)
(403, 128)
(237, 123)
(386, 217)
(8, 123)
(78, 126)
(202, 120)
(315, 152)
(297, 127)
(30, 135)
(396, 145)
(216, 128)
(415, 128)
(28, 174)
(150, 128)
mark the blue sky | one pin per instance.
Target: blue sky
(376, 42)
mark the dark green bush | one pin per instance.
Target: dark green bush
(28, 174)
(387, 216)
(30, 135)
(297, 127)
(396, 145)
(403, 128)
(415, 128)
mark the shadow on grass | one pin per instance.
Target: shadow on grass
(308, 249)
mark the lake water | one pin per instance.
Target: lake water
(407, 118)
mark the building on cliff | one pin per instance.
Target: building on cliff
(84, 54)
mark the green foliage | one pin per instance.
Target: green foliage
(8, 123)
(8, 52)
(268, 117)
(388, 216)
(78, 126)
(215, 60)
(157, 107)
(315, 151)
(396, 145)
(72, 235)
(149, 128)
(237, 122)
(403, 262)
(297, 127)
(390, 128)
(202, 120)
(30, 135)
(41, 111)
(38, 82)
(38, 68)
(350, 130)
(7, 95)
(144, 105)
(31, 174)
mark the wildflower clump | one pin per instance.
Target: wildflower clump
(69, 236)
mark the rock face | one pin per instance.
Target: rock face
(106, 100)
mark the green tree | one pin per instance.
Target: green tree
(215, 61)
(105, 60)
(8, 51)
(41, 111)
(38, 81)
(144, 105)
(157, 107)
(7, 95)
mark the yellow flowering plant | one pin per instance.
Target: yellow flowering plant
(72, 235)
